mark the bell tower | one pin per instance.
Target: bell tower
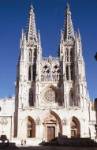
(30, 55)
(73, 67)
(27, 68)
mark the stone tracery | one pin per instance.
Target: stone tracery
(50, 95)
(50, 71)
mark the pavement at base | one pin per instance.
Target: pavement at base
(48, 148)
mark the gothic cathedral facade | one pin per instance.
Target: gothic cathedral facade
(51, 92)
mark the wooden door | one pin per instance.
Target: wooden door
(50, 133)
(73, 133)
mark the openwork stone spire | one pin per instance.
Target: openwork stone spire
(32, 25)
(69, 30)
(80, 43)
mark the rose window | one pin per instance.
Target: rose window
(50, 95)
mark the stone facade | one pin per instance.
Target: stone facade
(7, 107)
(51, 93)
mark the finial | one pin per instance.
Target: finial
(68, 7)
(39, 34)
(39, 38)
(22, 33)
(32, 24)
(78, 31)
(31, 7)
(69, 30)
(62, 36)
(79, 36)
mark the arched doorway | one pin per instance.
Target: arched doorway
(31, 128)
(75, 128)
(52, 126)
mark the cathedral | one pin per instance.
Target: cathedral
(51, 96)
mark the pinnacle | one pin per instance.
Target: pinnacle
(79, 34)
(68, 6)
(31, 24)
(69, 30)
(31, 7)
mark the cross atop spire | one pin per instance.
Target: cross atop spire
(32, 25)
(69, 30)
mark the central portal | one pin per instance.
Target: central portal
(50, 133)
(52, 126)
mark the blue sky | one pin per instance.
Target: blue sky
(50, 20)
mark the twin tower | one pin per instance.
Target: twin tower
(51, 92)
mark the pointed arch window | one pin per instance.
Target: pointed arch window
(30, 55)
(29, 73)
(75, 128)
(34, 72)
(30, 128)
(72, 72)
(67, 54)
(71, 98)
(35, 54)
(31, 98)
(71, 55)
(67, 72)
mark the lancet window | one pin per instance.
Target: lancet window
(30, 55)
(46, 73)
(71, 55)
(71, 98)
(34, 71)
(74, 100)
(72, 72)
(56, 72)
(67, 55)
(30, 73)
(67, 72)
(31, 98)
